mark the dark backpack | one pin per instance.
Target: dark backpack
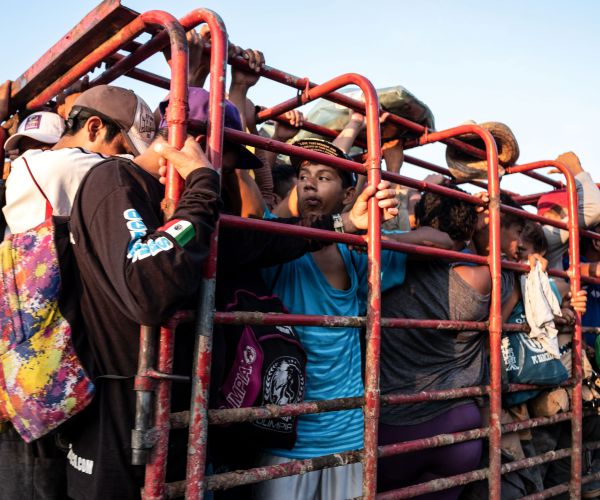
(265, 365)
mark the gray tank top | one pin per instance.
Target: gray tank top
(414, 360)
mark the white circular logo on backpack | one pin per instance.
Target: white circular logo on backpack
(249, 354)
(284, 382)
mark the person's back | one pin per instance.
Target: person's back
(58, 171)
(132, 270)
(417, 359)
(104, 121)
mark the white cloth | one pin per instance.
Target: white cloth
(58, 173)
(337, 483)
(541, 305)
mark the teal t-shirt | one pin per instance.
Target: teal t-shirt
(334, 359)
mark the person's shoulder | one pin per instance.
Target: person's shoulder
(110, 173)
(63, 155)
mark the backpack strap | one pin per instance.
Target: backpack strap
(49, 210)
(3, 223)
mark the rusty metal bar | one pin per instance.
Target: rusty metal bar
(95, 28)
(575, 282)
(352, 239)
(196, 463)
(373, 170)
(156, 468)
(141, 440)
(291, 150)
(258, 474)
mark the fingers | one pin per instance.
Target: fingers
(205, 33)
(169, 153)
(193, 38)
(295, 117)
(485, 197)
(391, 144)
(366, 193)
(255, 58)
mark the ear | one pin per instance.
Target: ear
(349, 195)
(93, 126)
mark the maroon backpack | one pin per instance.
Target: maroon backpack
(266, 365)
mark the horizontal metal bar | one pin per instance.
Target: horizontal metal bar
(258, 474)
(167, 376)
(352, 239)
(289, 149)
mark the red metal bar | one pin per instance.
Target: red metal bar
(291, 150)
(189, 21)
(494, 262)
(352, 239)
(575, 281)
(371, 408)
(460, 437)
(156, 468)
(127, 33)
(95, 28)
(157, 463)
(141, 74)
(196, 463)
(294, 467)
(332, 134)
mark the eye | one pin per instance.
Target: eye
(324, 178)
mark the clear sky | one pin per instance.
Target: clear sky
(532, 65)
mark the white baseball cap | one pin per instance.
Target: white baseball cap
(42, 126)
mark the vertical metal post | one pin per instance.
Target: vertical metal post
(371, 406)
(156, 468)
(202, 353)
(144, 387)
(494, 262)
(495, 331)
(575, 278)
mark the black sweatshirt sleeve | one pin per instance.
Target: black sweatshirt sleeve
(125, 251)
(239, 248)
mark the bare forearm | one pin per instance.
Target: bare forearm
(346, 137)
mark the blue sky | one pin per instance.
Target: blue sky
(533, 65)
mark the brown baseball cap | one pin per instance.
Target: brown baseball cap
(122, 107)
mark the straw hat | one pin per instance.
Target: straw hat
(465, 167)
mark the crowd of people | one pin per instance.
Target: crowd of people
(99, 158)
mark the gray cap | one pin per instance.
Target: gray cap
(125, 109)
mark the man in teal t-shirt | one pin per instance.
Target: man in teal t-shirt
(331, 281)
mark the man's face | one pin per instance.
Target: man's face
(320, 190)
(510, 236)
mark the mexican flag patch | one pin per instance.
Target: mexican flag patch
(182, 230)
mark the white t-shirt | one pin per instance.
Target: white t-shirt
(58, 173)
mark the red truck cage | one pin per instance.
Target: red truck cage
(111, 27)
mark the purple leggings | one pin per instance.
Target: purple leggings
(421, 466)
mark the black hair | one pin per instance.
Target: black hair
(283, 179)
(508, 219)
(79, 117)
(585, 243)
(455, 217)
(533, 233)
